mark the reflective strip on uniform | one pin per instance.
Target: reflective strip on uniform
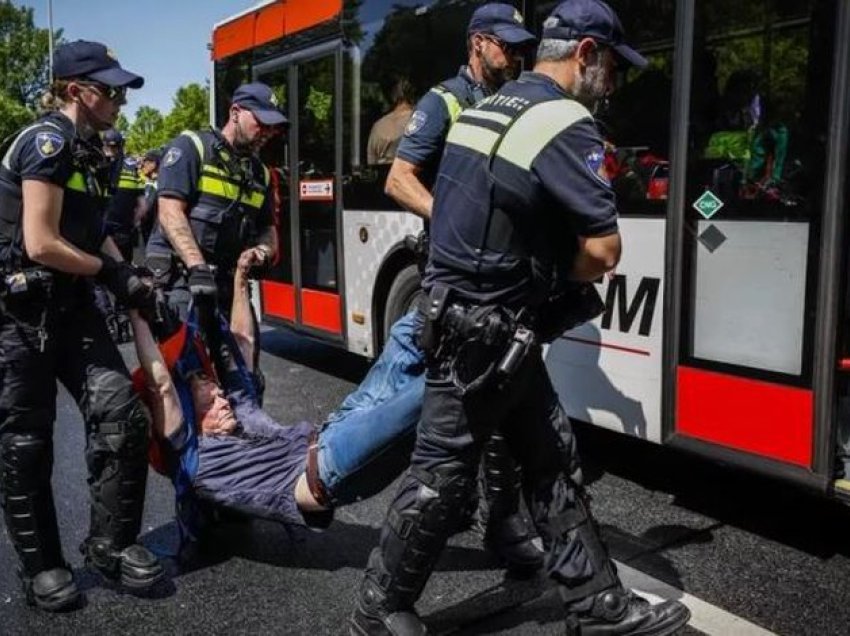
(536, 127)
(76, 182)
(216, 181)
(473, 137)
(7, 158)
(499, 118)
(129, 181)
(196, 139)
(452, 103)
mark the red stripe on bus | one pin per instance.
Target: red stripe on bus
(767, 419)
(321, 310)
(270, 23)
(597, 343)
(278, 299)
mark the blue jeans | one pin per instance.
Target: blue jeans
(366, 443)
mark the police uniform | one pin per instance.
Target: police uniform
(126, 188)
(51, 330)
(230, 205)
(531, 162)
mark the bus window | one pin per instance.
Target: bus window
(229, 75)
(758, 127)
(316, 172)
(414, 42)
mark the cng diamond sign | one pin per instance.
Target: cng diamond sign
(708, 204)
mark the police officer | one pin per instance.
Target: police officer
(496, 41)
(148, 170)
(214, 201)
(51, 241)
(533, 193)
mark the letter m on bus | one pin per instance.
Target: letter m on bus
(643, 303)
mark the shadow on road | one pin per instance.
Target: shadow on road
(315, 354)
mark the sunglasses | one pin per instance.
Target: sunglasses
(112, 93)
(508, 49)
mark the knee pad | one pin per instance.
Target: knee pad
(126, 436)
(26, 460)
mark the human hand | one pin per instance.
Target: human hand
(129, 288)
(202, 283)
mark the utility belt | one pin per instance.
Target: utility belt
(25, 297)
(475, 344)
(26, 283)
(420, 245)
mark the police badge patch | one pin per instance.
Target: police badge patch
(49, 144)
(417, 120)
(595, 162)
(171, 157)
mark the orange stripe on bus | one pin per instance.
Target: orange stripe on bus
(278, 299)
(763, 418)
(270, 23)
(321, 310)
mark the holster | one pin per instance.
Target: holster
(434, 308)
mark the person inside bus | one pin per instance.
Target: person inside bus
(387, 131)
(496, 43)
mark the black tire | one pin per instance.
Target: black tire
(403, 296)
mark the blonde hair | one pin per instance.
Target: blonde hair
(55, 97)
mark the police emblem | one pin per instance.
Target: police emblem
(417, 120)
(595, 162)
(171, 157)
(517, 17)
(49, 144)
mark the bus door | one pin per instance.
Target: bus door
(304, 290)
(750, 240)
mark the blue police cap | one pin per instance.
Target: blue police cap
(92, 60)
(260, 100)
(501, 20)
(112, 137)
(576, 19)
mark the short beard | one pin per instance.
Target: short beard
(591, 88)
(495, 77)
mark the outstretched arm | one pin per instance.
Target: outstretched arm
(165, 405)
(241, 316)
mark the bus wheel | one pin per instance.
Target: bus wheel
(403, 296)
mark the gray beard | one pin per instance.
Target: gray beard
(590, 89)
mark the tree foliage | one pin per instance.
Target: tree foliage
(146, 131)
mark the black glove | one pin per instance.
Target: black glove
(122, 280)
(202, 282)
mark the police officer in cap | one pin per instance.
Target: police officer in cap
(521, 196)
(496, 41)
(214, 201)
(51, 240)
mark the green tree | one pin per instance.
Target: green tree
(13, 116)
(23, 54)
(146, 131)
(191, 110)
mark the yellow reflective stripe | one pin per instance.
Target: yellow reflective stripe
(499, 118)
(473, 137)
(76, 182)
(452, 103)
(220, 188)
(196, 139)
(265, 175)
(129, 183)
(536, 127)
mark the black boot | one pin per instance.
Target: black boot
(507, 534)
(372, 618)
(620, 612)
(135, 566)
(52, 590)
(26, 462)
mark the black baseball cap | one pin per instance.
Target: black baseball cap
(501, 20)
(576, 19)
(92, 60)
(153, 155)
(260, 100)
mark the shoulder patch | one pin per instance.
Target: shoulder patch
(595, 162)
(49, 143)
(172, 156)
(130, 162)
(417, 120)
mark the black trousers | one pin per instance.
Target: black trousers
(452, 430)
(78, 352)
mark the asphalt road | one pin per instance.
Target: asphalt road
(731, 544)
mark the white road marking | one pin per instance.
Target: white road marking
(705, 617)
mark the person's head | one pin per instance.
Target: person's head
(113, 143)
(255, 117)
(582, 46)
(89, 85)
(150, 163)
(496, 43)
(212, 410)
(402, 93)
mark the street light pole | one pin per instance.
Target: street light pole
(50, 40)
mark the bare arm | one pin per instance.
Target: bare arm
(166, 412)
(268, 241)
(241, 316)
(42, 240)
(596, 256)
(175, 224)
(108, 247)
(405, 187)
